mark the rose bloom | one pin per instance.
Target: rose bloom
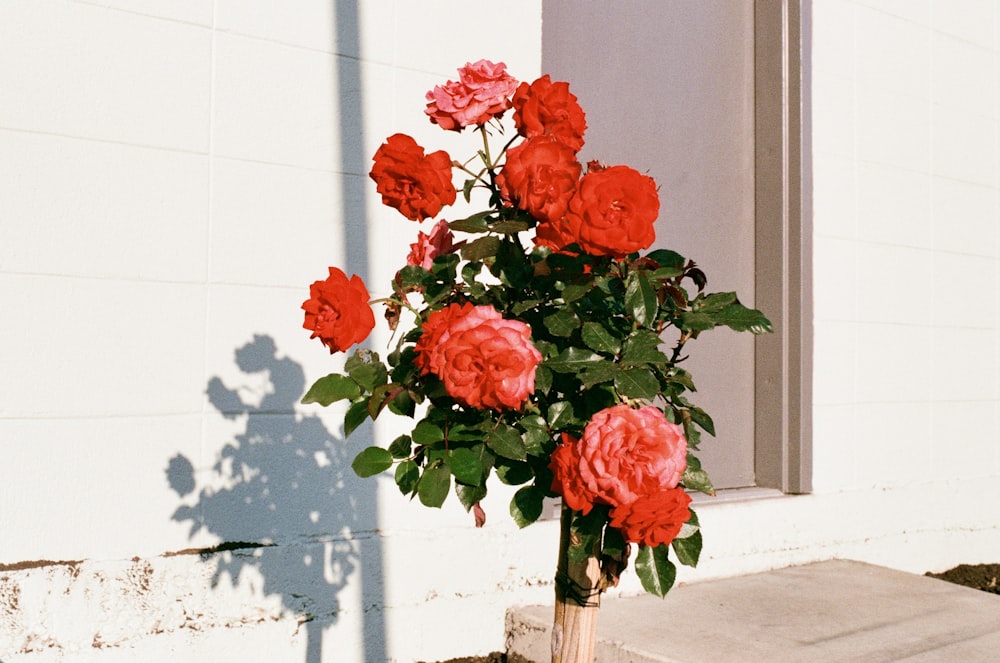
(427, 247)
(545, 108)
(613, 211)
(337, 311)
(481, 93)
(653, 519)
(565, 465)
(540, 176)
(626, 453)
(416, 184)
(484, 360)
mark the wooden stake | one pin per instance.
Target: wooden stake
(578, 599)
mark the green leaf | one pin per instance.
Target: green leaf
(572, 360)
(407, 475)
(432, 489)
(512, 472)
(367, 369)
(427, 432)
(642, 347)
(614, 544)
(412, 275)
(598, 373)
(740, 318)
(509, 227)
(695, 478)
(469, 495)
(637, 383)
(371, 461)
(543, 380)
(355, 416)
(526, 505)
(332, 388)
(465, 466)
(701, 418)
(507, 443)
(655, 570)
(467, 190)
(474, 224)
(688, 549)
(484, 247)
(599, 339)
(562, 323)
(715, 302)
(401, 447)
(560, 414)
(640, 298)
(697, 321)
(666, 258)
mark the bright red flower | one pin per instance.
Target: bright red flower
(653, 519)
(337, 311)
(545, 108)
(540, 176)
(481, 93)
(565, 465)
(427, 247)
(416, 184)
(613, 211)
(483, 359)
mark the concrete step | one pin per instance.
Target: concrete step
(828, 611)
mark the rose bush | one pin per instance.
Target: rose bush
(337, 311)
(536, 352)
(416, 184)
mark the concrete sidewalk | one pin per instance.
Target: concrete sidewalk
(828, 611)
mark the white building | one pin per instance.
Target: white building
(174, 173)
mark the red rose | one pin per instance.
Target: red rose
(626, 453)
(482, 92)
(545, 108)
(613, 211)
(653, 519)
(416, 184)
(484, 360)
(337, 311)
(427, 247)
(539, 177)
(565, 465)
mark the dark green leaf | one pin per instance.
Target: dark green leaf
(467, 190)
(655, 570)
(512, 472)
(432, 489)
(715, 302)
(614, 543)
(697, 479)
(371, 461)
(543, 380)
(701, 418)
(412, 275)
(507, 443)
(526, 506)
(697, 321)
(474, 224)
(401, 447)
(667, 258)
(469, 495)
(637, 383)
(407, 474)
(509, 227)
(534, 441)
(427, 432)
(740, 318)
(640, 298)
(572, 360)
(586, 538)
(562, 323)
(642, 347)
(355, 416)
(575, 291)
(332, 388)
(599, 339)
(560, 414)
(598, 373)
(688, 549)
(465, 466)
(484, 247)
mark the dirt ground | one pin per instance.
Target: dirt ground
(985, 577)
(978, 576)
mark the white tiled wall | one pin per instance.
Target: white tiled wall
(173, 176)
(907, 240)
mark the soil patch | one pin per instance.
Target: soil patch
(985, 577)
(494, 657)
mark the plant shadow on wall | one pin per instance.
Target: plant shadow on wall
(284, 501)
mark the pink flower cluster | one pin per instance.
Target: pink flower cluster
(482, 92)
(630, 459)
(484, 360)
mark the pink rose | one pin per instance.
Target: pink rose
(484, 360)
(427, 247)
(625, 454)
(653, 519)
(482, 92)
